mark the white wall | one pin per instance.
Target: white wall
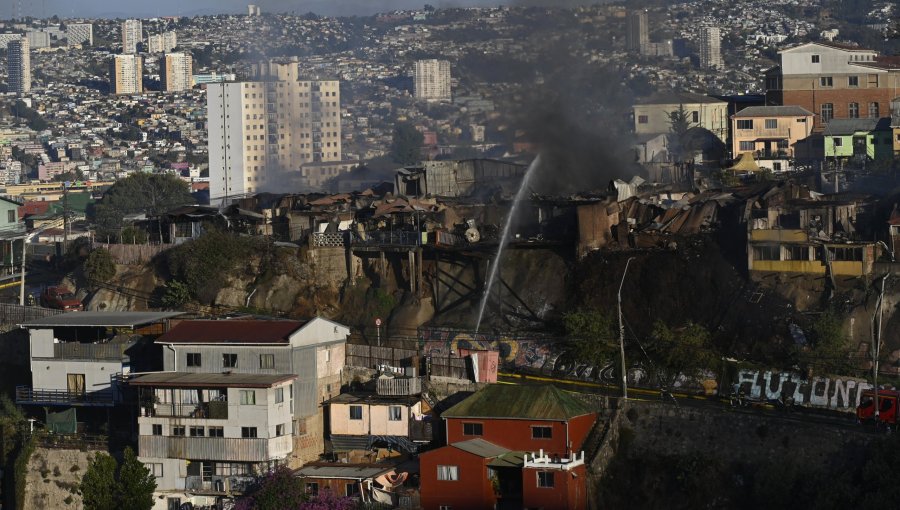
(831, 60)
(225, 124)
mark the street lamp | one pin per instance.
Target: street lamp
(622, 334)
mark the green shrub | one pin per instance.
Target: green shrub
(99, 266)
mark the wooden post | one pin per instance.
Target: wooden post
(411, 256)
(419, 265)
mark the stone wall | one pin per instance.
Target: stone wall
(53, 477)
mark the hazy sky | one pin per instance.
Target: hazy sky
(151, 8)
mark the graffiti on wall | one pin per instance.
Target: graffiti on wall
(837, 393)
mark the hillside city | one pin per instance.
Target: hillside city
(624, 255)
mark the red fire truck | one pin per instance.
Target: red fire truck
(887, 406)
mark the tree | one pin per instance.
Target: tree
(136, 483)
(151, 194)
(406, 144)
(592, 336)
(280, 490)
(830, 352)
(99, 266)
(133, 235)
(328, 500)
(679, 125)
(683, 351)
(176, 294)
(98, 485)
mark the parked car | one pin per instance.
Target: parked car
(61, 298)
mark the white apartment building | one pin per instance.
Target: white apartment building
(19, 56)
(711, 48)
(126, 75)
(432, 80)
(162, 43)
(132, 34)
(264, 133)
(38, 39)
(176, 72)
(80, 33)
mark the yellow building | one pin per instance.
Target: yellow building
(770, 133)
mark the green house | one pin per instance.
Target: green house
(869, 139)
(12, 235)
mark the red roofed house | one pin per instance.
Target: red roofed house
(237, 398)
(510, 447)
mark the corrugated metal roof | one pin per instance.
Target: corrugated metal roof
(112, 319)
(231, 332)
(190, 380)
(511, 459)
(355, 472)
(773, 111)
(850, 126)
(481, 448)
(542, 402)
(346, 443)
(671, 97)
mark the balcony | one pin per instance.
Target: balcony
(53, 397)
(215, 448)
(390, 237)
(218, 484)
(77, 350)
(203, 410)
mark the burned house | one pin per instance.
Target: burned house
(459, 178)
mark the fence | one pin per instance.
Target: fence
(17, 314)
(133, 254)
(83, 442)
(455, 368)
(327, 239)
(368, 356)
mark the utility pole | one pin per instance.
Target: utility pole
(622, 334)
(65, 214)
(876, 345)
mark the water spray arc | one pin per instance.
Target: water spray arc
(504, 238)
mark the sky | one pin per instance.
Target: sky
(153, 8)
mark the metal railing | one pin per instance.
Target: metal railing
(29, 395)
(203, 410)
(389, 237)
(77, 350)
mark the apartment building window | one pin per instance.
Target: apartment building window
(216, 431)
(229, 360)
(771, 123)
(157, 429)
(846, 254)
(312, 488)
(545, 479)
(178, 430)
(541, 432)
(745, 124)
(193, 359)
(197, 432)
(827, 112)
(266, 361)
(853, 110)
(248, 432)
(156, 469)
(643, 119)
(747, 146)
(853, 81)
(355, 412)
(873, 110)
(279, 430)
(473, 429)
(448, 473)
(797, 252)
(826, 81)
(279, 395)
(395, 413)
(766, 253)
(248, 397)
(815, 59)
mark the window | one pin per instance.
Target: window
(784, 143)
(873, 110)
(545, 479)
(216, 431)
(745, 124)
(157, 429)
(448, 473)
(796, 252)
(351, 490)
(643, 119)
(355, 412)
(11, 216)
(846, 254)
(747, 146)
(266, 361)
(229, 360)
(826, 81)
(279, 395)
(771, 123)
(279, 430)
(395, 413)
(156, 469)
(838, 142)
(853, 110)
(541, 432)
(815, 59)
(193, 359)
(473, 429)
(766, 253)
(178, 430)
(197, 432)
(827, 112)
(695, 117)
(853, 81)
(248, 432)
(312, 488)
(248, 397)
(327, 355)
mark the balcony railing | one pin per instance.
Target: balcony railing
(203, 410)
(395, 237)
(50, 397)
(215, 448)
(217, 484)
(77, 350)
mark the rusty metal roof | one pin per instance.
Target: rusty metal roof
(198, 380)
(231, 332)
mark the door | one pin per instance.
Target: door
(75, 383)
(174, 503)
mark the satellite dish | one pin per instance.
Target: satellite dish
(473, 235)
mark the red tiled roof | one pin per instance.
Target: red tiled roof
(230, 332)
(34, 207)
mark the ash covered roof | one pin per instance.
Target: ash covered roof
(543, 402)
